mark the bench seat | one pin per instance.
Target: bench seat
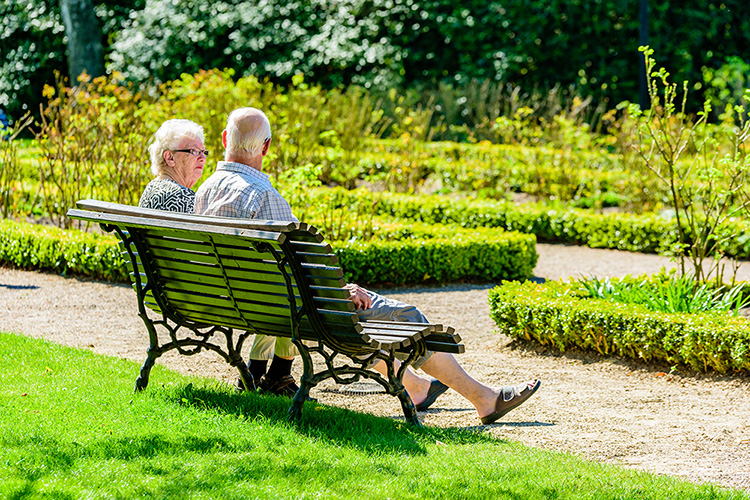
(206, 276)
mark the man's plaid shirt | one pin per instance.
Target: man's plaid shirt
(238, 190)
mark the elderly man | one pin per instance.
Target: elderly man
(238, 188)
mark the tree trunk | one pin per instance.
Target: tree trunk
(84, 39)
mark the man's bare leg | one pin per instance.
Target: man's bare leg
(415, 385)
(444, 367)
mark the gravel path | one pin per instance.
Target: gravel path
(683, 424)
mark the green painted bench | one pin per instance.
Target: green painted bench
(215, 281)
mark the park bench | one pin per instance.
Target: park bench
(215, 281)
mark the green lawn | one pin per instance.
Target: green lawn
(72, 428)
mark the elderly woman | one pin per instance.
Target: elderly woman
(177, 160)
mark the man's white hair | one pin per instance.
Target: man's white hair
(248, 129)
(168, 137)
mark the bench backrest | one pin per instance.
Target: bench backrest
(252, 275)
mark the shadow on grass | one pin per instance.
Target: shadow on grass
(48, 456)
(337, 425)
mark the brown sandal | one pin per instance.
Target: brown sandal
(511, 397)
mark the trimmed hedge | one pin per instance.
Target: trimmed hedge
(481, 257)
(648, 233)
(485, 255)
(553, 316)
(34, 246)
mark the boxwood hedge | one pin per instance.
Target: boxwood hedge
(447, 254)
(35, 246)
(553, 316)
(649, 233)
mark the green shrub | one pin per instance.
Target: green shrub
(465, 256)
(443, 255)
(553, 223)
(32, 246)
(553, 315)
(649, 233)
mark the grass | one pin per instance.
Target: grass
(72, 428)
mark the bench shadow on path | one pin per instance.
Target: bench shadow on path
(19, 287)
(535, 423)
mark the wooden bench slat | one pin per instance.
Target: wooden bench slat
(272, 292)
(233, 251)
(174, 227)
(325, 294)
(392, 342)
(304, 246)
(195, 272)
(252, 311)
(417, 327)
(444, 347)
(432, 326)
(385, 334)
(175, 259)
(270, 328)
(127, 210)
(452, 338)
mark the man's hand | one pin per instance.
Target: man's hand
(359, 296)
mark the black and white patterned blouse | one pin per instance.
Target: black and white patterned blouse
(166, 194)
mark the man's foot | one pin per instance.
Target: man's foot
(284, 386)
(435, 390)
(511, 397)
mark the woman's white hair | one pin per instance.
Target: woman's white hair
(168, 137)
(247, 130)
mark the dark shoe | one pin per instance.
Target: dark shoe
(285, 386)
(435, 390)
(511, 397)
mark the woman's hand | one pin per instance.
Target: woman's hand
(359, 296)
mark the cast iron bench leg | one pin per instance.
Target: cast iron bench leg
(305, 384)
(142, 381)
(410, 412)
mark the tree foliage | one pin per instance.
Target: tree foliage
(591, 45)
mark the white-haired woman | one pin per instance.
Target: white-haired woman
(177, 160)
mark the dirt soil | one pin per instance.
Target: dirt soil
(650, 418)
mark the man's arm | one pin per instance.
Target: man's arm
(359, 296)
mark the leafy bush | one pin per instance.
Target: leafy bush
(11, 172)
(554, 315)
(400, 254)
(379, 43)
(588, 175)
(443, 255)
(93, 141)
(32, 246)
(649, 233)
(705, 190)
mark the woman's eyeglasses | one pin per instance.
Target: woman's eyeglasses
(194, 152)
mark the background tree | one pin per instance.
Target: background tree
(85, 52)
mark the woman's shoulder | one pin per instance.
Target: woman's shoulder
(166, 194)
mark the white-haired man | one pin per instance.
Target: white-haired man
(238, 188)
